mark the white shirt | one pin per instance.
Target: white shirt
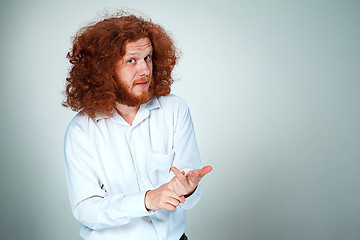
(110, 165)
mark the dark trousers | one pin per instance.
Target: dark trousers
(183, 237)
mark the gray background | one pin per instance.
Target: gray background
(274, 90)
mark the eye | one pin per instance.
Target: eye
(131, 61)
(147, 57)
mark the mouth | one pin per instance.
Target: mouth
(142, 84)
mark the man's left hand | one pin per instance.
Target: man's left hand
(186, 185)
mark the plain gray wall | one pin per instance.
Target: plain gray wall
(274, 90)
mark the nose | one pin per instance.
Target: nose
(143, 68)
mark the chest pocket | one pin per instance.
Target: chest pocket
(158, 169)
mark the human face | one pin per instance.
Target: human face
(134, 71)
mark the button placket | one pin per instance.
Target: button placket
(133, 155)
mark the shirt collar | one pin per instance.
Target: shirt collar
(153, 103)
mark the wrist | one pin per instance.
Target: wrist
(189, 194)
(145, 201)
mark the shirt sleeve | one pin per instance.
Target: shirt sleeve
(91, 205)
(187, 155)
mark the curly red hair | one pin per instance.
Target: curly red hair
(91, 86)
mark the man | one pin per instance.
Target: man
(131, 158)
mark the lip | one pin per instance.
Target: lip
(142, 84)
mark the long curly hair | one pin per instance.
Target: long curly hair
(91, 86)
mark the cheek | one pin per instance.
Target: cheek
(126, 75)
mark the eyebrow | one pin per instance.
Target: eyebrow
(131, 54)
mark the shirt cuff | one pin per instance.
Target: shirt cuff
(135, 204)
(193, 199)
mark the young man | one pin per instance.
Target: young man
(131, 157)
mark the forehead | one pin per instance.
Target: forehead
(139, 46)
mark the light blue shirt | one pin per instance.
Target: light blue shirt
(110, 165)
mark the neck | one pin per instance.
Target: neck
(126, 112)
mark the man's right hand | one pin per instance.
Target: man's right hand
(163, 197)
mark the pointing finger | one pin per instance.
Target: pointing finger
(175, 171)
(179, 175)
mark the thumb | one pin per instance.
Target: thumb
(206, 170)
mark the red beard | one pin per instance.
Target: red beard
(125, 96)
